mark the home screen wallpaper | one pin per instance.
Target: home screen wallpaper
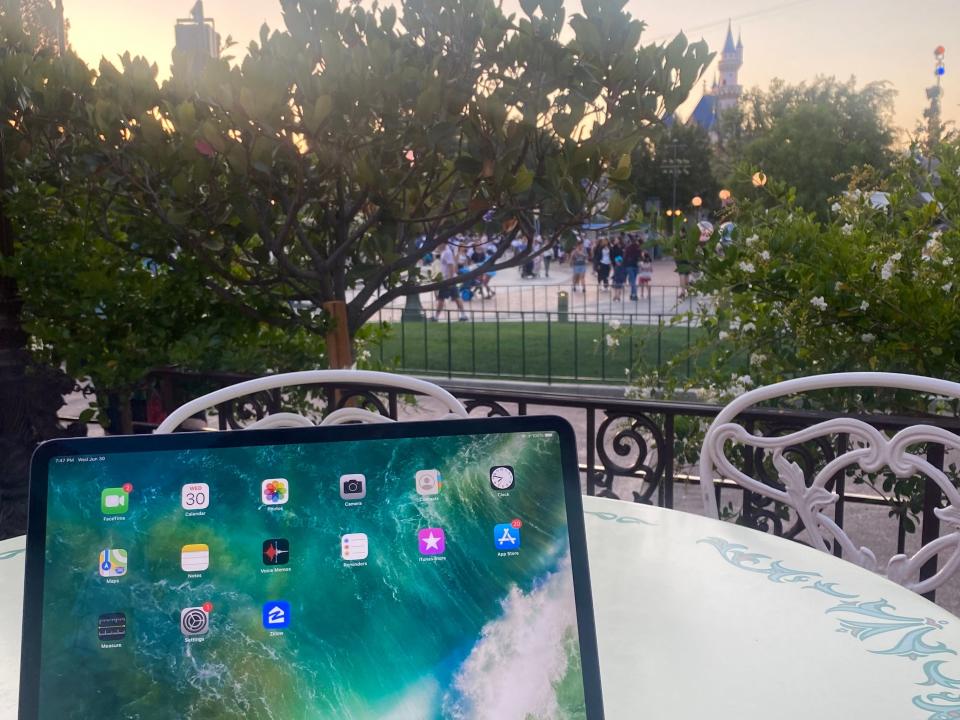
(399, 578)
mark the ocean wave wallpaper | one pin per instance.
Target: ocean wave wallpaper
(405, 578)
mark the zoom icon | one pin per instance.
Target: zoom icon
(194, 621)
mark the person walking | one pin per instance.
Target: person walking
(619, 278)
(616, 247)
(645, 274)
(631, 261)
(448, 271)
(601, 259)
(578, 261)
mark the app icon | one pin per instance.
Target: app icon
(113, 562)
(428, 482)
(112, 627)
(353, 546)
(195, 557)
(501, 477)
(432, 541)
(353, 487)
(195, 496)
(506, 536)
(114, 501)
(276, 614)
(275, 491)
(276, 551)
(195, 620)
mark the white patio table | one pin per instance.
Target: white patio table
(702, 619)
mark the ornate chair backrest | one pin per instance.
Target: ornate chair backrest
(365, 378)
(868, 448)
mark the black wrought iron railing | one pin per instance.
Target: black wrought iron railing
(636, 450)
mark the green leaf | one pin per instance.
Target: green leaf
(622, 171)
(523, 180)
(211, 133)
(617, 207)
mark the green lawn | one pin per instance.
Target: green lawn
(537, 350)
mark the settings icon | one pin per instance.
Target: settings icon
(194, 621)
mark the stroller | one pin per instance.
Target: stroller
(468, 288)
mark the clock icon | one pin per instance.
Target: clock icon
(501, 477)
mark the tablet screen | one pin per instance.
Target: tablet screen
(405, 577)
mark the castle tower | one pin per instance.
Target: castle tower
(731, 60)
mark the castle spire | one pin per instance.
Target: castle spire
(728, 46)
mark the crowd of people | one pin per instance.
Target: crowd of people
(619, 261)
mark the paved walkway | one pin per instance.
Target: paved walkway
(538, 297)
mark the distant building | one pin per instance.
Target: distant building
(196, 36)
(726, 91)
(43, 20)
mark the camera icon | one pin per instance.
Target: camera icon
(353, 487)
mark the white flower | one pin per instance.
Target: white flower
(757, 358)
(847, 229)
(735, 323)
(752, 240)
(935, 235)
(947, 261)
(765, 256)
(864, 305)
(838, 286)
(615, 324)
(868, 337)
(836, 207)
(723, 335)
(747, 266)
(819, 303)
(748, 327)
(612, 341)
(745, 380)
(947, 288)
(886, 272)
(896, 256)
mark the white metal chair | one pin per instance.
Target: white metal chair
(365, 378)
(869, 448)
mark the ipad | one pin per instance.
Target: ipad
(407, 570)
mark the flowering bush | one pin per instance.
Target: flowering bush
(874, 288)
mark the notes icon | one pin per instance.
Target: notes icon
(195, 557)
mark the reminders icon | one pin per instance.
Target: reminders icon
(195, 558)
(354, 546)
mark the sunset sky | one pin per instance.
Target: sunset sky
(796, 40)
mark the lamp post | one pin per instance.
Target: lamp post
(932, 113)
(759, 179)
(697, 203)
(725, 196)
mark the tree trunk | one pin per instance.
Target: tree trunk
(339, 342)
(30, 395)
(125, 413)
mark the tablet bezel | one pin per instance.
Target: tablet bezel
(30, 659)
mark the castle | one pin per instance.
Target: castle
(726, 90)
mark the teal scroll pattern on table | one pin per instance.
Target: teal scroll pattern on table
(614, 517)
(873, 621)
(407, 630)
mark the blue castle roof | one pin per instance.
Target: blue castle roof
(705, 113)
(728, 46)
